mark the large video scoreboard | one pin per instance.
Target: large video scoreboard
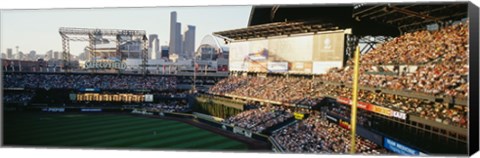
(310, 53)
(124, 97)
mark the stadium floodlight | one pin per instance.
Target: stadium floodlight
(94, 35)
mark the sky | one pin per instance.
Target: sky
(38, 29)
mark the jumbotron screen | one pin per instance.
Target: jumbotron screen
(313, 53)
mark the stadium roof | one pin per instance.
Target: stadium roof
(387, 19)
(277, 29)
(410, 16)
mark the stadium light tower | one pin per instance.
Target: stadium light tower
(91, 35)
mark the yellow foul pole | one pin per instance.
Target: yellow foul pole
(353, 118)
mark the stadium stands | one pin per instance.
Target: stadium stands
(316, 135)
(24, 97)
(441, 57)
(430, 64)
(77, 81)
(173, 106)
(257, 120)
(441, 74)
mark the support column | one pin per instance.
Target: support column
(66, 53)
(92, 46)
(144, 54)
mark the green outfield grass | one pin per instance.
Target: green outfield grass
(109, 131)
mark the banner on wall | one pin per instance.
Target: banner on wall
(400, 148)
(314, 53)
(277, 66)
(148, 97)
(298, 116)
(331, 118)
(53, 109)
(361, 105)
(344, 124)
(374, 108)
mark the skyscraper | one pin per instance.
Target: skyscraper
(56, 55)
(9, 53)
(179, 47)
(189, 42)
(49, 55)
(173, 32)
(153, 46)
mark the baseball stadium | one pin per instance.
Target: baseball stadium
(371, 79)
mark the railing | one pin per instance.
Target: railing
(406, 93)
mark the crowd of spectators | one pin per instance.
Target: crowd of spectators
(441, 59)
(363, 118)
(291, 90)
(446, 113)
(317, 135)
(18, 97)
(172, 106)
(259, 119)
(76, 81)
(315, 90)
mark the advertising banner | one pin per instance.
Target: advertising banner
(257, 67)
(277, 66)
(301, 67)
(374, 108)
(328, 46)
(361, 105)
(399, 148)
(90, 89)
(303, 106)
(382, 110)
(302, 53)
(343, 100)
(72, 96)
(331, 118)
(148, 97)
(260, 55)
(91, 110)
(53, 109)
(293, 48)
(258, 50)
(399, 115)
(298, 116)
(344, 124)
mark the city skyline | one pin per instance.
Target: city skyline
(38, 29)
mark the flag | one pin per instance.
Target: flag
(196, 67)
